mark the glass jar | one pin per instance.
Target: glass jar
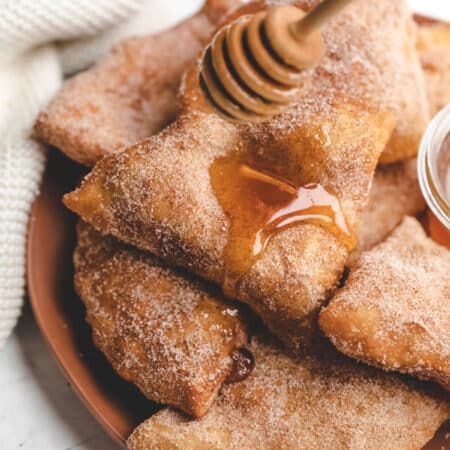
(433, 166)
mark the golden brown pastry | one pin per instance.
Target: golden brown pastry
(433, 45)
(160, 329)
(394, 310)
(395, 193)
(163, 194)
(158, 196)
(319, 402)
(129, 94)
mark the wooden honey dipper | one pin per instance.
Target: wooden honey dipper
(252, 69)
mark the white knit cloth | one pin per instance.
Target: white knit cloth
(30, 74)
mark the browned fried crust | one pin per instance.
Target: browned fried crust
(323, 401)
(394, 310)
(160, 329)
(157, 194)
(129, 94)
(395, 193)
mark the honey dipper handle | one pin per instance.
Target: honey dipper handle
(317, 17)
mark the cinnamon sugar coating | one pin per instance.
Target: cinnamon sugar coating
(433, 45)
(395, 193)
(394, 310)
(157, 195)
(129, 94)
(324, 401)
(159, 329)
(371, 56)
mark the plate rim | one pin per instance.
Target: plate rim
(38, 315)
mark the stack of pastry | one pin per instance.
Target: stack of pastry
(256, 320)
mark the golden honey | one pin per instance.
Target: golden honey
(260, 204)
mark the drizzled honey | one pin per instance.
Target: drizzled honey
(260, 204)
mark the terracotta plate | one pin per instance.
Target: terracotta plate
(116, 404)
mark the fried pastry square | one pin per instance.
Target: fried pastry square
(158, 196)
(161, 330)
(129, 94)
(433, 45)
(395, 193)
(394, 310)
(318, 402)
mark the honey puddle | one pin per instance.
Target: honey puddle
(259, 204)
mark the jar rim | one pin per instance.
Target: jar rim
(430, 149)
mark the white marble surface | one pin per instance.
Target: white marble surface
(38, 409)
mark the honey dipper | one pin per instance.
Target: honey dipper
(252, 69)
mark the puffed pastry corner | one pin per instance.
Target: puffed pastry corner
(160, 329)
(394, 309)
